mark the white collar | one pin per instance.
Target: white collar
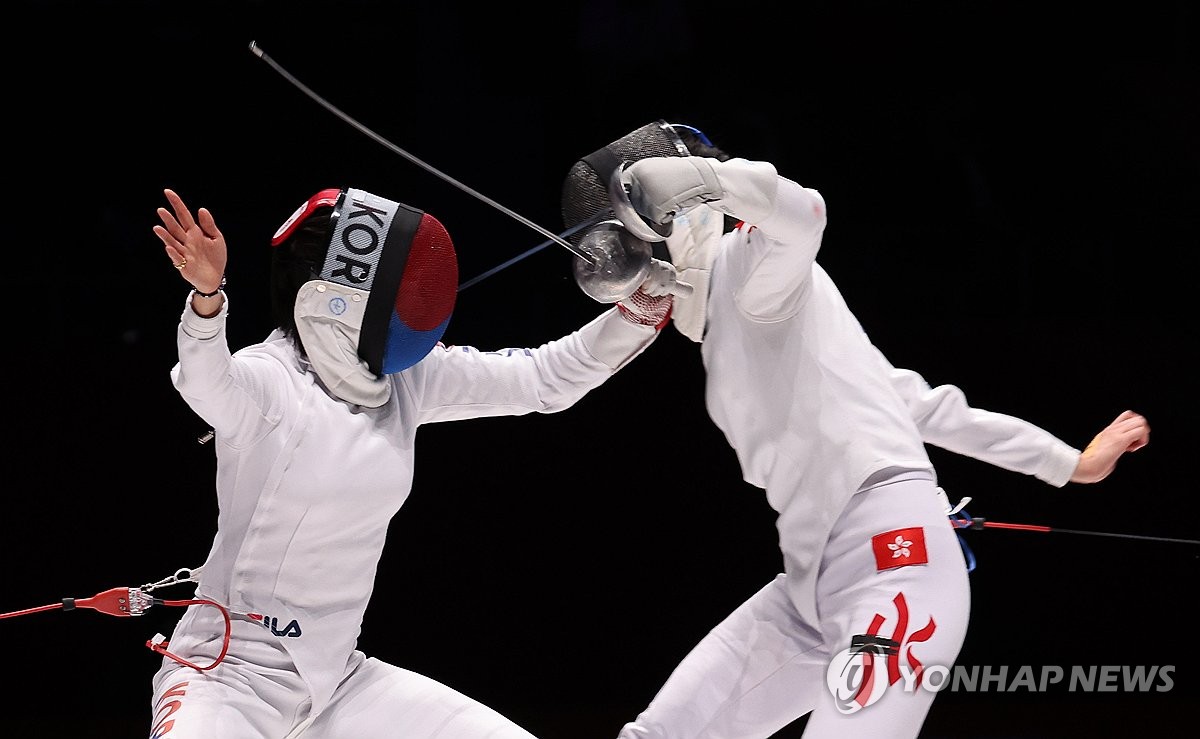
(329, 321)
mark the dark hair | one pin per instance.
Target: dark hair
(697, 148)
(295, 262)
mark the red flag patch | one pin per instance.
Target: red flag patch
(899, 548)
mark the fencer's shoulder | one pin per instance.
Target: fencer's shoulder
(442, 349)
(457, 351)
(276, 343)
(276, 348)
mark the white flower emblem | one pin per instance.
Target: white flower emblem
(900, 547)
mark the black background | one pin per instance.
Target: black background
(1013, 206)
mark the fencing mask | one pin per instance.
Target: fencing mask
(689, 242)
(381, 297)
(585, 192)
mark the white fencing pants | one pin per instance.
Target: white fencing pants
(764, 667)
(256, 693)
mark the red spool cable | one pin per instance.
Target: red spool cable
(134, 602)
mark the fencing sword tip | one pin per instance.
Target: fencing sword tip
(255, 50)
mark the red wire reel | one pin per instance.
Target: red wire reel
(136, 601)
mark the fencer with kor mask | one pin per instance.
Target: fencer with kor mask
(315, 429)
(874, 582)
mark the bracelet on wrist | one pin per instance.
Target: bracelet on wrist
(213, 293)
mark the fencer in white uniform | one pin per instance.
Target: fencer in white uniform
(874, 583)
(315, 439)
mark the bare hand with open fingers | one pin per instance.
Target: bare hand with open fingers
(1128, 433)
(195, 246)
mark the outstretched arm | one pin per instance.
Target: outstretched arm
(458, 382)
(945, 419)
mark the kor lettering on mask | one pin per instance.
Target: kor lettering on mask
(358, 239)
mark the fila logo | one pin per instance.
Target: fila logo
(272, 623)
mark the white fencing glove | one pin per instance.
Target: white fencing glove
(651, 303)
(663, 279)
(661, 188)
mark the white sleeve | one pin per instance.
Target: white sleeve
(456, 382)
(946, 420)
(235, 395)
(777, 253)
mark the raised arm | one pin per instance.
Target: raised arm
(225, 392)
(783, 221)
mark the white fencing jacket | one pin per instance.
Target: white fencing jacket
(811, 407)
(307, 483)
